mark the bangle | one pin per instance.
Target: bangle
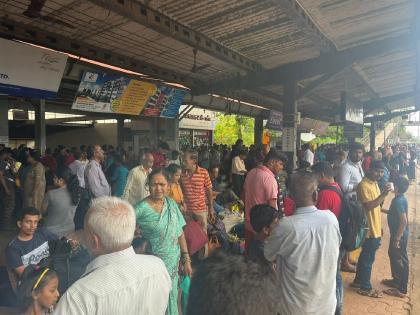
(185, 259)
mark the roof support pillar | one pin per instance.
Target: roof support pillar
(4, 121)
(40, 127)
(120, 132)
(289, 122)
(372, 137)
(258, 131)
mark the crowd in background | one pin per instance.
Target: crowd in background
(169, 204)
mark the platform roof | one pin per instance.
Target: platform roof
(242, 49)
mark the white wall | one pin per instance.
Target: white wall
(99, 134)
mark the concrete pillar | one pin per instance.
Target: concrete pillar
(258, 131)
(40, 127)
(120, 132)
(372, 136)
(289, 122)
(4, 121)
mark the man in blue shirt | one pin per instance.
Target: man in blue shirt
(398, 228)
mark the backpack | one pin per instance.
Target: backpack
(69, 264)
(352, 221)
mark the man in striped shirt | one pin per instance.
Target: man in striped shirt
(197, 189)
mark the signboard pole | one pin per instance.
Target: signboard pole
(40, 126)
(258, 131)
(4, 121)
(120, 132)
(372, 136)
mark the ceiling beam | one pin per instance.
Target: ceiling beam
(328, 62)
(13, 30)
(360, 75)
(165, 25)
(304, 90)
(374, 104)
(306, 24)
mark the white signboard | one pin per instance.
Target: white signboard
(30, 71)
(198, 118)
(289, 139)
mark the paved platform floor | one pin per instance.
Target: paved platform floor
(355, 304)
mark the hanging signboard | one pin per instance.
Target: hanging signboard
(353, 130)
(275, 120)
(111, 93)
(198, 118)
(30, 71)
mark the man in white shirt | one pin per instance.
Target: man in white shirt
(238, 172)
(351, 172)
(308, 155)
(136, 189)
(117, 281)
(305, 247)
(95, 180)
(78, 168)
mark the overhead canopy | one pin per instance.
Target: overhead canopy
(240, 49)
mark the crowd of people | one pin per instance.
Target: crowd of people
(152, 227)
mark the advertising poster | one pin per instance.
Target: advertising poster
(275, 121)
(110, 93)
(30, 71)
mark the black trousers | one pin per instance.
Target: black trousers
(238, 184)
(399, 263)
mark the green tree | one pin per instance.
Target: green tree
(230, 128)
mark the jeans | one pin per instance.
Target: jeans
(339, 285)
(399, 263)
(366, 259)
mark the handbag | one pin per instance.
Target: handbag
(195, 237)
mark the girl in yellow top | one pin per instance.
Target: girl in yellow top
(175, 191)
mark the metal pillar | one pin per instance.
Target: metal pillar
(289, 122)
(258, 131)
(40, 127)
(4, 121)
(120, 132)
(372, 137)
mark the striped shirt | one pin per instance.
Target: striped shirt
(195, 189)
(119, 283)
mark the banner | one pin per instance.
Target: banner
(111, 93)
(275, 121)
(30, 71)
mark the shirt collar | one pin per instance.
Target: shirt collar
(305, 210)
(107, 259)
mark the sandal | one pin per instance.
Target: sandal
(394, 292)
(371, 293)
(390, 283)
(348, 268)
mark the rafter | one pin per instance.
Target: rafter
(146, 16)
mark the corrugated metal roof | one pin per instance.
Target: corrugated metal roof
(264, 31)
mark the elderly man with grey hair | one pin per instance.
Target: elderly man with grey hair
(117, 281)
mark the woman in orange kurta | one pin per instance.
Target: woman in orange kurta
(175, 191)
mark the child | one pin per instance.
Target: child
(38, 290)
(263, 219)
(398, 227)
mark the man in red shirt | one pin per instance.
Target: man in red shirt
(159, 156)
(329, 198)
(197, 189)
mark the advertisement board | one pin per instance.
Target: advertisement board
(198, 118)
(275, 120)
(113, 93)
(30, 71)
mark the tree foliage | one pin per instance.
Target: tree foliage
(230, 128)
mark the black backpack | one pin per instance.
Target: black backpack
(69, 264)
(352, 221)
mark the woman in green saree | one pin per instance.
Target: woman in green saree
(161, 222)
